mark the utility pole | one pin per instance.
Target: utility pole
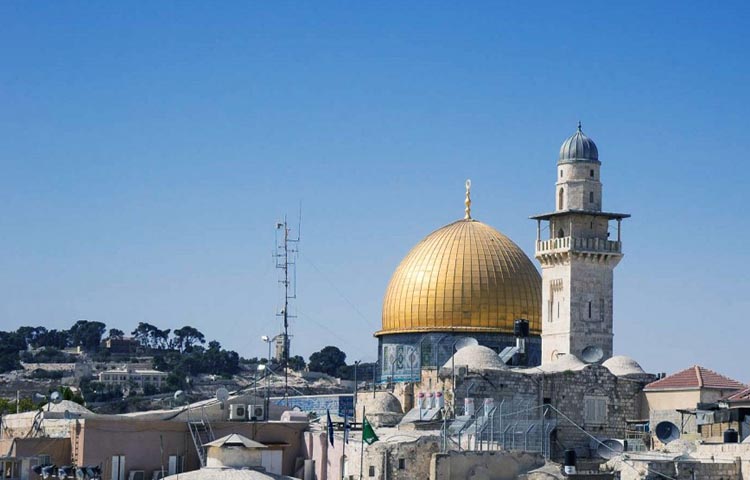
(286, 254)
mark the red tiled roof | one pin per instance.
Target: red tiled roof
(695, 377)
(741, 396)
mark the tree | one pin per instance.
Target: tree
(327, 360)
(87, 335)
(296, 363)
(150, 336)
(186, 337)
(116, 334)
(59, 339)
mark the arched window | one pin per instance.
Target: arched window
(560, 200)
(560, 233)
(591, 197)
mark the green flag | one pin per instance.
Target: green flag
(368, 434)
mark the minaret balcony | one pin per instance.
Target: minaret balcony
(574, 244)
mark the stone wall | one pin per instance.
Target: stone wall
(678, 470)
(495, 465)
(725, 452)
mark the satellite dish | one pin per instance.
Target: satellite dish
(592, 354)
(667, 431)
(180, 397)
(466, 342)
(222, 394)
(55, 397)
(610, 448)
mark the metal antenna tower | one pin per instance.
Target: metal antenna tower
(286, 260)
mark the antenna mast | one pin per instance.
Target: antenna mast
(286, 260)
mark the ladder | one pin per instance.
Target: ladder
(202, 433)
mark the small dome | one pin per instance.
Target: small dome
(578, 148)
(564, 363)
(621, 365)
(476, 357)
(382, 402)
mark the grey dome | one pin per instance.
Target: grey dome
(578, 148)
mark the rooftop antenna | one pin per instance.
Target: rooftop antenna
(286, 261)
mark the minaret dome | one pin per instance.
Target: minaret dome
(578, 148)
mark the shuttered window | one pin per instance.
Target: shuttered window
(595, 410)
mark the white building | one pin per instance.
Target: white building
(129, 376)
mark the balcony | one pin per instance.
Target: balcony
(583, 245)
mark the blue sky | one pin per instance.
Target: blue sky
(148, 148)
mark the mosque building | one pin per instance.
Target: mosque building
(466, 283)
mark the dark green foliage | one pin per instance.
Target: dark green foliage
(186, 337)
(297, 363)
(42, 374)
(327, 360)
(47, 355)
(87, 335)
(116, 333)
(151, 337)
(212, 360)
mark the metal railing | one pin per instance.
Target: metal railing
(578, 245)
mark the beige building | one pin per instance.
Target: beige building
(676, 398)
(139, 378)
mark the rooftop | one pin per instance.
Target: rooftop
(695, 377)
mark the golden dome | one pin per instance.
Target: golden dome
(464, 277)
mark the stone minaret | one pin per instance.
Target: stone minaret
(578, 258)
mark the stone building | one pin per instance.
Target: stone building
(578, 259)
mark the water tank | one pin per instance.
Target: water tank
(731, 436)
(521, 328)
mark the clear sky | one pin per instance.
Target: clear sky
(148, 148)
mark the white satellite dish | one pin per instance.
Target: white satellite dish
(180, 397)
(39, 397)
(610, 448)
(592, 354)
(466, 342)
(222, 395)
(55, 398)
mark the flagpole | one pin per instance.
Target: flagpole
(342, 464)
(362, 447)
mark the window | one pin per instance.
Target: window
(592, 225)
(591, 197)
(401, 463)
(601, 309)
(560, 200)
(560, 173)
(591, 173)
(558, 309)
(589, 309)
(43, 459)
(595, 410)
(371, 471)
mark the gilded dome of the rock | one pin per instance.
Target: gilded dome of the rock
(464, 277)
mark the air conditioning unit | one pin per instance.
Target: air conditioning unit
(237, 412)
(256, 412)
(137, 475)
